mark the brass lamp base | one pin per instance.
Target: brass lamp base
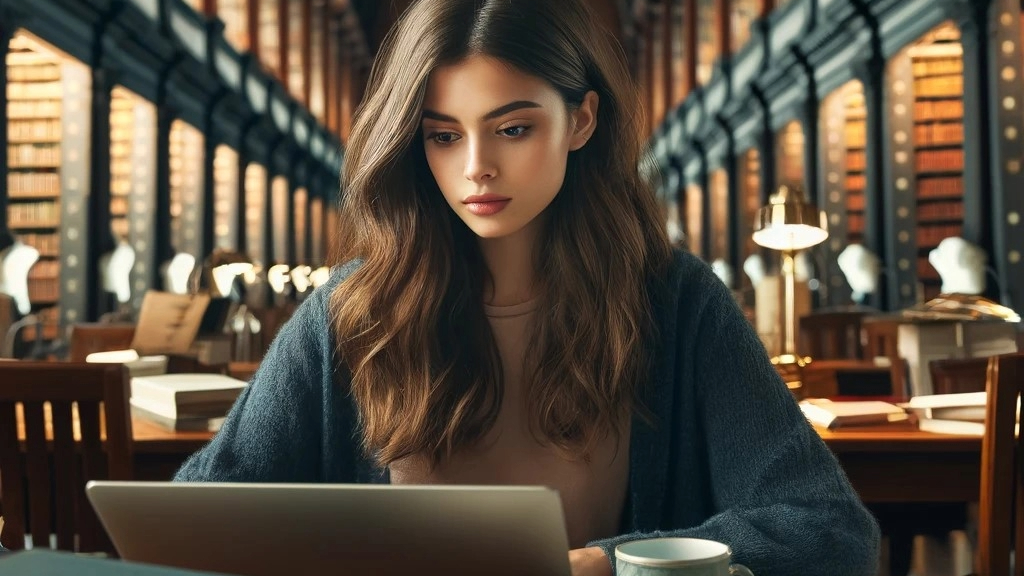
(790, 367)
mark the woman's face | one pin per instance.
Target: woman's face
(497, 141)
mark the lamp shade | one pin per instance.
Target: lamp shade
(789, 223)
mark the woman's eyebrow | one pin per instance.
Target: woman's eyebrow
(497, 112)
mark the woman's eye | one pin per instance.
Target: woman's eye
(514, 131)
(443, 137)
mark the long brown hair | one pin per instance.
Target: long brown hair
(410, 324)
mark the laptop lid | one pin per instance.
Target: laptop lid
(343, 529)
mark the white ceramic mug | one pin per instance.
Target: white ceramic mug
(676, 557)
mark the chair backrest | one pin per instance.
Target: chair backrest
(1002, 471)
(829, 378)
(954, 375)
(53, 416)
(89, 338)
(831, 335)
(880, 339)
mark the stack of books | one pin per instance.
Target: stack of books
(835, 414)
(962, 413)
(185, 401)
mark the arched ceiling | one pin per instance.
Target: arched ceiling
(365, 22)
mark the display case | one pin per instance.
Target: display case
(937, 64)
(301, 211)
(295, 78)
(270, 39)
(742, 13)
(186, 185)
(225, 198)
(844, 127)
(235, 15)
(47, 96)
(695, 219)
(279, 226)
(316, 232)
(718, 197)
(748, 174)
(789, 154)
(255, 209)
(707, 39)
(133, 182)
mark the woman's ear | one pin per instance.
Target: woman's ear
(584, 121)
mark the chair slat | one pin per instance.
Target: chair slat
(38, 457)
(94, 466)
(1000, 480)
(63, 474)
(12, 488)
(76, 460)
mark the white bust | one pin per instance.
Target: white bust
(861, 267)
(753, 266)
(116, 267)
(15, 262)
(723, 270)
(177, 271)
(961, 265)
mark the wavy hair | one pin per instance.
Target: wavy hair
(409, 322)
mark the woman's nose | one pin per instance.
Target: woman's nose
(480, 165)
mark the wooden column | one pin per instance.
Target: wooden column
(307, 51)
(689, 45)
(282, 40)
(724, 34)
(252, 24)
(101, 240)
(6, 33)
(668, 32)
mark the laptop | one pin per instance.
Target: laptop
(340, 529)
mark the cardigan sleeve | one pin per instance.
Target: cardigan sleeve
(273, 431)
(780, 499)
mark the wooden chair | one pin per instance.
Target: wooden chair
(89, 338)
(880, 339)
(1002, 471)
(42, 478)
(831, 335)
(829, 378)
(956, 375)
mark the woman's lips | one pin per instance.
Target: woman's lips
(486, 204)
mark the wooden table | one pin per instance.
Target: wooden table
(893, 463)
(902, 464)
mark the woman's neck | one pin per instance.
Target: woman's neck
(510, 260)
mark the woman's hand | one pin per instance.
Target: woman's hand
(589, 562)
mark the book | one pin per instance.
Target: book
(177, 424)
(186, 395)
(137, 365)
(831, 414)
(945, 426)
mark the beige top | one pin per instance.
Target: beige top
(593, 493)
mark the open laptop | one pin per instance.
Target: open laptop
(338, 529)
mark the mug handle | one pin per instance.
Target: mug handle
(740, 570)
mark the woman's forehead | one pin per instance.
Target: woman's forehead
(477, 85)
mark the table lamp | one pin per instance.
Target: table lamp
(789, 224)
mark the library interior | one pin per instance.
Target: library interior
(852, 171)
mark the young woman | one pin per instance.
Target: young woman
(509, 311)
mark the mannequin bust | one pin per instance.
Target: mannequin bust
(116, 267)
(177, 271)
(15, 262)
(961, 265)
(861, 267)
(723, 270)
(753, 267)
